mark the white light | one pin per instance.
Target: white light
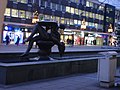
(6, 27)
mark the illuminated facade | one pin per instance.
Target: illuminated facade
(19, 16)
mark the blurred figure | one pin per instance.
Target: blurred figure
(7, 39)
(17, 41)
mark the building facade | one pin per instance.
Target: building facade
(88, 22)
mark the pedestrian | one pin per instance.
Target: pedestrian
(7, 39)
(17, 41)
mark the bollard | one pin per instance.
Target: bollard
(107, 69)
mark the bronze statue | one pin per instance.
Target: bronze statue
(45, 40)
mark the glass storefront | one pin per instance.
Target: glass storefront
(85, 38)
(14, 32)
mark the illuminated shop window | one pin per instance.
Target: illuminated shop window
(68, 21)
(87, 3)
(53, 18)
(76, 11)
(72, 10)
(79, 12)
(96, 25)
(87, 14)
(67, 9)
(47, 17)
(7, 12)
(58, 19)
(71, 22)
(91, 4)
(97, 16)
(28, 15)
(62, 20)
(94, 15)
(21, 14)
(79, 22)
(91, 15)
(75, 21)
(83, 13)
(14, 13)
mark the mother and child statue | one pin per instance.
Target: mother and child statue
(46, 35)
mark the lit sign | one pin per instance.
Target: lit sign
(83, 25)
(110, 29)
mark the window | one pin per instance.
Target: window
(47, 17)
(42, 3)
(63, 8)
(62, 21)
(91, 4)
(58, 19)
(71, 22)
(87, 14)
(30, 1)
(76, 11)
(77, 1)
(67, 9)
(28, 15)
(97, 16)
(87, 3)
(91, 15)
(76, 22)
(21, 14)
(67, 21)
(23, 1)
(72, 10)
(58, 7)
(7, 12)
(79, 22)
(53, 6)
(14, 13)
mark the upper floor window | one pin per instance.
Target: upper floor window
(53, 6)
(76, 11)
(58, 7)
(14, 13)
(63, 8)
(30, 1)
(67, 9)
(87, 3)
(42, 3)
(72, 10)
(28, 15)
(7, 12)
(23, 1)
(21, 14)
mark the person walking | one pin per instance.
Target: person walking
(7, 39)
(17, 41)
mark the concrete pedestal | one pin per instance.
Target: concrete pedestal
(107, 69)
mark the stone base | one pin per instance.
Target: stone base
(13, 73)
(106, 84)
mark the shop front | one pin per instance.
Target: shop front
(88, 38)
(14, 32)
